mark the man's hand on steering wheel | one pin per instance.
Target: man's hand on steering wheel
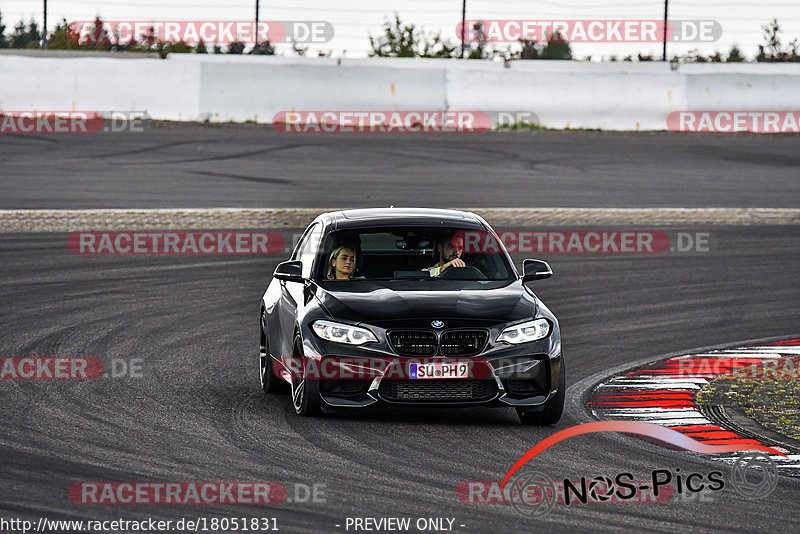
(457, 262)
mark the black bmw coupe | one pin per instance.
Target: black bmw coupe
(409, 307)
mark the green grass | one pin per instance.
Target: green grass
(527, 126)
(520, 126)
(775, 404)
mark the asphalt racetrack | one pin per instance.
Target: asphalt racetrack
(196, 413)
(193, 166)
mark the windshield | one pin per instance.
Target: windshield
(414, 253)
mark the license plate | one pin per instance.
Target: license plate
(438, 370)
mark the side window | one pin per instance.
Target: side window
(300, 244)
(308, 249)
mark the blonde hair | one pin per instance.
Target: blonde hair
(334, 255)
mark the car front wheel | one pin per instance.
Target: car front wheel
(270, 383)
(552, 408)
(305, 392)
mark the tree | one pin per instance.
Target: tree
(398, 40)
(437, 47)
(554, 48)
(164, 48)
(734, 55)
(263, 49)
(557, 48)
(236, 47)
(149, 38)
(479, 50)
(63, 37)
(201, 48)
(530, 49)
(405, 40)
(772, 50)
(23, 37)
(694, 56)
(98, 39)
(299, 50)
(3, 40)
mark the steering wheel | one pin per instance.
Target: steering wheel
(464, 273)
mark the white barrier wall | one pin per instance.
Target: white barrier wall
(239, 91)
(167, 90)
(563, 94)
(602, 100)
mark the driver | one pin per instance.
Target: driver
(450, 249)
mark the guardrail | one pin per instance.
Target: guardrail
(562, 94)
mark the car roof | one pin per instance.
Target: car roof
(371, 217)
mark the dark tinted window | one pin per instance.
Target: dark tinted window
(404, 253)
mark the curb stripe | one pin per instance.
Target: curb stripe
(664, 393)
(45, 220)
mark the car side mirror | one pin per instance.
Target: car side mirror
(289, 271)
(535, 270)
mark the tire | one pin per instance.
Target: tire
(553, 408)
(269, 382)
(305, 394)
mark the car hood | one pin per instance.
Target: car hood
(378, 304)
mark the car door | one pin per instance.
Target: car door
(294, 294)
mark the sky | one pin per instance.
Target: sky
(354, 20)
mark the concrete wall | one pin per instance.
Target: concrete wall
(612, 96)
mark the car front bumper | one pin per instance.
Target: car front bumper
(525, 375)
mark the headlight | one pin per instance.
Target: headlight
(525, 332)
(343, 333)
